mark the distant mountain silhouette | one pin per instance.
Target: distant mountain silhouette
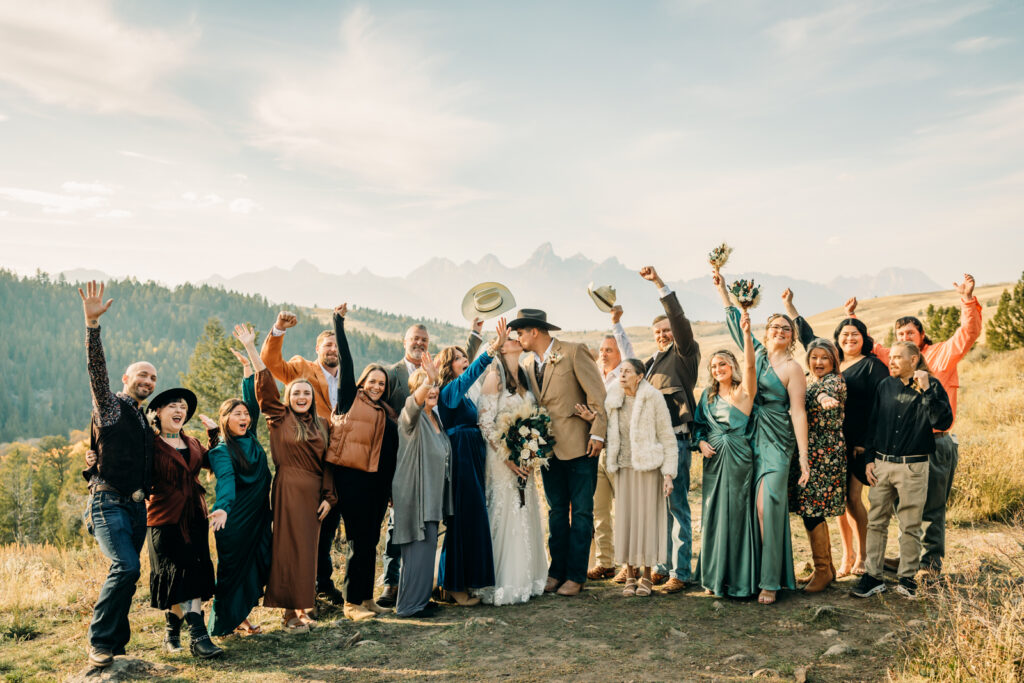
(549, 281)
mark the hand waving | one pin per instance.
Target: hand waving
(92, 303)
(428, 366)
(242, 358)
(966, 288)
(850, 306)
(245, 334)
(499, 341)
(207, 422)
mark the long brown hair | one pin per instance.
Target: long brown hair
(301, 432)
(383, 402)
(448, 355)
(238, 461)
(792, 331)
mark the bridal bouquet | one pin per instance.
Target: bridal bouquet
(719, 256)
(745, 293)
(526, 440)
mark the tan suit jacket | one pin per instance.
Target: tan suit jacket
(573, 379)
(286, 371)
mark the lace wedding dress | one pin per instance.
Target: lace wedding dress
(517, 538)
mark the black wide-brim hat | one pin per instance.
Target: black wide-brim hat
(172, 395)
(531, 317)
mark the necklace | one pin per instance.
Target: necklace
(172, 436)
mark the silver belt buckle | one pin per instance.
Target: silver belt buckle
(138, 496)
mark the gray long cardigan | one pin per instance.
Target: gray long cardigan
(421, 490)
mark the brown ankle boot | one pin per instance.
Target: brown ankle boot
(821, 552)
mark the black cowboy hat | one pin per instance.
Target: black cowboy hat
(531, 317)
(172, 395)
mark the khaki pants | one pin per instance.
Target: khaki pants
(908, 483)
(604, 550)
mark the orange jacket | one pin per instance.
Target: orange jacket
(296, 368)
(356, 439)
(943, 357)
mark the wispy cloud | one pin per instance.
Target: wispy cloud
(978, 44)
(52, 202)
(74, 186)
(242, 205)
(145, 157)
(375, 109)
(79, 54)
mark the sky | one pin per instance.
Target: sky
(172, 140)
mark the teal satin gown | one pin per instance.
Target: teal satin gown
(729, 544)
(243, 545)
(774, 441)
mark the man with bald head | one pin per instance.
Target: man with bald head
(119, 482)
(416, 341)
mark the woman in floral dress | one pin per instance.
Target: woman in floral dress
(825, 492)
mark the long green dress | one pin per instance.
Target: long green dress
(729, 543)
(243, 545)
(771, 430)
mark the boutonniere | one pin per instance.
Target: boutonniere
(554, 358)
(151, 419)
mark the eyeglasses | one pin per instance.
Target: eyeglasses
(780, 328)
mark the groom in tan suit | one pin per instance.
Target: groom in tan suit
(561, 375)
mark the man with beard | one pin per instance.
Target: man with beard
(416, 341)
(119, 482)
(322, 373)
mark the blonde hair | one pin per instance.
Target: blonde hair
(737, 375)
(416, 379)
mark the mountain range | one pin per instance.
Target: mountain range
(436, 289)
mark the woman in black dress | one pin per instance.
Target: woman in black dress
(862, 371)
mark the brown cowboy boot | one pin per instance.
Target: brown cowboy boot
(821, 553)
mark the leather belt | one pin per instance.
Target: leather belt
(137, 496)
(903, 459)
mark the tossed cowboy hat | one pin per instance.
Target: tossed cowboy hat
(603, 296)
(531, 317)
(487, 300)
(172, 395)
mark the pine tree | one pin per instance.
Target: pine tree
(1005, 330)
(940, 322)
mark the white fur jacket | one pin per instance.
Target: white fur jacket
(651, 439)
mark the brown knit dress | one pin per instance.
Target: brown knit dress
(301, 482)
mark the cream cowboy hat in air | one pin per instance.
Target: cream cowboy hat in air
(603, 296)
(487, 300)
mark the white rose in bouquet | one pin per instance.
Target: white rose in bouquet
(524, 431)
(533, 446)
(534, 432)
(525, 453)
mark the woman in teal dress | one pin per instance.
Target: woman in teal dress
(241, 517)
(729, 544)
(778, 428)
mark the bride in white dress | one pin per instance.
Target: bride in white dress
(517, 538)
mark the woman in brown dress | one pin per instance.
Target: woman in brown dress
(302, 492)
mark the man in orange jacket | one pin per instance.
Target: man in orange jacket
(943, 359)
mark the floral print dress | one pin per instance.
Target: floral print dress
(825, 493)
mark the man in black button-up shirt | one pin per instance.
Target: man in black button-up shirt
(908, 406)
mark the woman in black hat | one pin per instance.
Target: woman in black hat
(181, 574)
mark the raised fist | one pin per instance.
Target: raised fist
(286, 319)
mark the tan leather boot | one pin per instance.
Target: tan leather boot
(821, 553)
(357, 612)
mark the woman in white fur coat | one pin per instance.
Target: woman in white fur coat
(641, 454)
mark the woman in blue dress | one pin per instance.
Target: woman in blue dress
(467, 561)
(730, 545)
(778, 428)
(241, 517)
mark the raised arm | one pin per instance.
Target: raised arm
(475, 338)
(797, 389)
(453, 392)
(970, 322)
(267, 396)
(803, 330)
(104, 402)
(619, 332)
(749, 383)
(682, 330)
(283, 371)
(720, 287)
(346, 371)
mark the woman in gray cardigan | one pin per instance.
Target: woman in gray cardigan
(422, 494)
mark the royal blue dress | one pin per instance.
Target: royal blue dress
(467, 560)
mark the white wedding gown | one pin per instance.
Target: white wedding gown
(517, 538)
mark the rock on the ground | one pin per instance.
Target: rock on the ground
(837, 650)
(123, 669)
(829, 633)
(353, 639)
(800, 674)
(766, 673)
(736, 658)
(889, 637)
(367, 642)
(676, 633)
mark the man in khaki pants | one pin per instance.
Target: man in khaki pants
(908, 406)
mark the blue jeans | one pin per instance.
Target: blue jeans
(119, 526)
(680, 535)
(569, 487)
